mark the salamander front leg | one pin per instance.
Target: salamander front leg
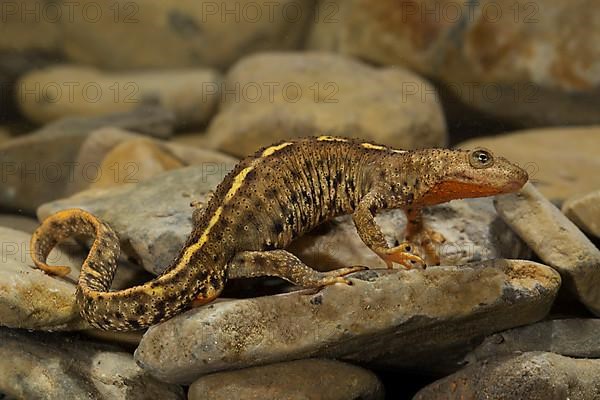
(403, 254)
(428, 239)
(371, 235)
(284, 264)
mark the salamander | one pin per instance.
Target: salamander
(263, 204)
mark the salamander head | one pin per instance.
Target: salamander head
(472, 173)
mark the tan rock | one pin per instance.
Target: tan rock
(274, 96)
(532, 376)
(502, 56)
(155, 34)
(42, 366)
(556, 240)
(40, 167)
(561, 162)
(399, 318)
(69, 90)
(302, 379)
(194, 139)
(584, 211)
(113, 157)
(573, 337)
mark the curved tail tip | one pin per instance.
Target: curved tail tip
(57, 270)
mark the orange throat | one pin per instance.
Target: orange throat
(452, 190)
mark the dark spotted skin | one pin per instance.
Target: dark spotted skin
(268, 200)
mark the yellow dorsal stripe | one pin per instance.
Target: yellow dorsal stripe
(270, 150)
(331, 139)
(235, 185)
(187, 255)
(373, 146)
(237, 182)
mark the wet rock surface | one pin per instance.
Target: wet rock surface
(535, 376)
(556, 240)
(279, 96)
(39, 366)
(362, 322)
(301, 379)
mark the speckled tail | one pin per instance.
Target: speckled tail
(134, 308)
(100, 265)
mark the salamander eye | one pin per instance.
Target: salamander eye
(481, 158)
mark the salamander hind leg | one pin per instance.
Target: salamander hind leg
(212, 291)
(285, 265)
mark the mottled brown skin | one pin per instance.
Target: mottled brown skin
(267, 201)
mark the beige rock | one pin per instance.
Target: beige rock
(400, 318)
(330, 22)
(294, 380)
(584, 211)
(39, 167)
(181, 33)
(502, 56)
(561, 162)
(194, 139)
(42, 366)
(134, 161)
(113, 157)
(573, 337)
(533, 376)
(556, 240)
(69, 90)
(274, 96)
